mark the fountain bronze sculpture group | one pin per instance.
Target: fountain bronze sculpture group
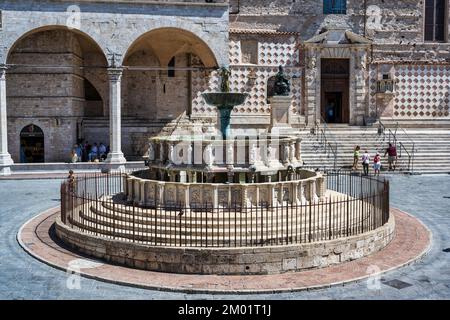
(282, 85)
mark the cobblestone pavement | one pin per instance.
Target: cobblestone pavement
(23, 277)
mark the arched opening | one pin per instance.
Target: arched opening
(32, 147)
(166, 43)
(159, 70)
(59, 76)
(93, 101)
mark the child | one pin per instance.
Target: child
(377, 164)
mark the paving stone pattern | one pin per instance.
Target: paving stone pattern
(23, 277)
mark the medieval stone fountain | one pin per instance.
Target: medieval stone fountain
(227, 204)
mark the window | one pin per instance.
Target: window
(171, 68)
(335, 6)
(435, 17)
(249, 51)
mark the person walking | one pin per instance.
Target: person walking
(356, 158)
(391, 151)
(377, 164)
(365, 159)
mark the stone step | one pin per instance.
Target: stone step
(191, 241)
(432, 147)
(125, 213)
(199, 229)
(171, 236)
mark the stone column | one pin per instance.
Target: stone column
(292, 158)
(151, 151)
(171, 156)
(129, 188)
(115, 156)
(186, 197)
(294, 193)
(125, 178)
(298, 149)
(161, 152)
(253, 152)
(216, 196)
(321, 187)
(160, 197)
(189, 154)
(142, 192)
(286, 149)
(5, 157)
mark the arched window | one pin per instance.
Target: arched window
(32, 144)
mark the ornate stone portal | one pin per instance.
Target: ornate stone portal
(337, 44)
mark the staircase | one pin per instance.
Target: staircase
(432, 148)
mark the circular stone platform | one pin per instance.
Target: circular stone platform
(412, 240)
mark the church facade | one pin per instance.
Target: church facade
(121, 71)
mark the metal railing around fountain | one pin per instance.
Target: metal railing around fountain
(94, 204)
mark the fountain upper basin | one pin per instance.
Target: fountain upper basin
(225, 99)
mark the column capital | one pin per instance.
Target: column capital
(3, 69)
(115, 74)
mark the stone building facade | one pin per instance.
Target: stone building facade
(120, 71)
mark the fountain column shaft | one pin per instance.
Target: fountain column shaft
(225, 123)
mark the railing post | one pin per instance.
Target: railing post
(310, 221)
(329, 217)
(134, 224)
(348, 215)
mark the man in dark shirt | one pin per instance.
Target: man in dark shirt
(391, 151)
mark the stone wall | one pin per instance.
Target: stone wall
(387, 22)
(116, 25)
(51, 98)
(264, 260)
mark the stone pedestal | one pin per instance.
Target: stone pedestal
(280, 117)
